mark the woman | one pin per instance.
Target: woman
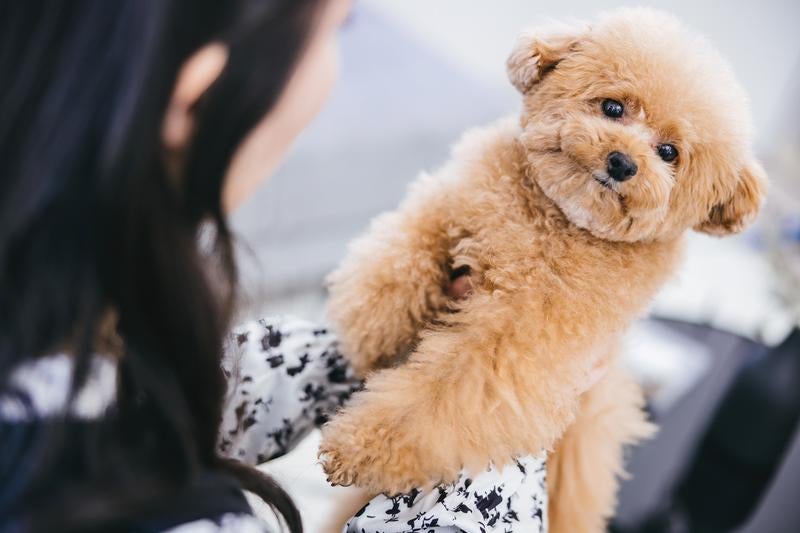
(128, 130)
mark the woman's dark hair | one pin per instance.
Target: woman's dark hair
(91, 224)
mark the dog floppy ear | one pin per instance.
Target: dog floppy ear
(537, 52)
(739, 210)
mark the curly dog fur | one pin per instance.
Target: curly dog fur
(562, 260)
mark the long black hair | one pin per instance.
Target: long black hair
(92, 225)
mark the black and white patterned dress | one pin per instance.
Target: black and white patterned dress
(286, 376)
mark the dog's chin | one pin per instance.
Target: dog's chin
(593, 205)
(591, 221)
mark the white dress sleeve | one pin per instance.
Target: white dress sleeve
(508, 500)
(285, 376)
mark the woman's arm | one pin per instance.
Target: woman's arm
(285, 376)
(512, 500)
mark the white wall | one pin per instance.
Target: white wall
(761, 39)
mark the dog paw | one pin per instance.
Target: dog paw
(372, 457)
(337, 464)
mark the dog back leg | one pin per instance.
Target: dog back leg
(584, 470)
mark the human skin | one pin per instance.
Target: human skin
(262, 150)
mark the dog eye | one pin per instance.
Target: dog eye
(667, 152)
(612, 108)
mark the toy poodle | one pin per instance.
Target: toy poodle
(569, 219)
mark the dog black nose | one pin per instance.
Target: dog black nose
(621, 167)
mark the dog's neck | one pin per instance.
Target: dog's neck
(539, 204)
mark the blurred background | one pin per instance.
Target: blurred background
(720, 355)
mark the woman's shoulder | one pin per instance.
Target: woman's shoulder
(40, 388)
(38, 395)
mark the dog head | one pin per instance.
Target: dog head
(636, 128)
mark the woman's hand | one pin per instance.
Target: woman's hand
(460, 287)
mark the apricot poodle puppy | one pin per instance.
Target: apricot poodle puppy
(633, 131)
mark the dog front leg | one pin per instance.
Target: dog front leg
(482, 390)
(394, 278)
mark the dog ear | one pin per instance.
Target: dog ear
(739, 210)
(537, 52)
